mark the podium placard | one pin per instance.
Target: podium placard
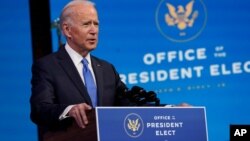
(151, 124)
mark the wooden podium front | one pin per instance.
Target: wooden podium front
(75, 133)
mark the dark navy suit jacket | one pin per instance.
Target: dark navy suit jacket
(57, 84)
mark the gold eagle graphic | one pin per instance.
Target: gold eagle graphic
(181, 16)
(133, 125)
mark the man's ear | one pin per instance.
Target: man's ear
(66, 30)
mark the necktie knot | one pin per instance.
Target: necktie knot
(85, 61)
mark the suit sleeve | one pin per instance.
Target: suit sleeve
(44, 108)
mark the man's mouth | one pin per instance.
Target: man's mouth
(92, 41)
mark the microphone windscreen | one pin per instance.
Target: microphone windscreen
(139, 90)
(151, 96)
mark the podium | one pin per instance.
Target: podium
(74, 132)
(151, 124)
(137, 124)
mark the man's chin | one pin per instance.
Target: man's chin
(90, 48)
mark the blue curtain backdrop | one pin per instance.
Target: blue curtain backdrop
(203, 61)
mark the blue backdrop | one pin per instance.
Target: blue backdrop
(200, 57)
(15, 72)
(186, 51)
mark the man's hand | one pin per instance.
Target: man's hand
(78, 112)
(184, 105)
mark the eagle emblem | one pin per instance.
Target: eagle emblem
(182, 18)
(133, 125)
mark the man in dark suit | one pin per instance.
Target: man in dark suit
(59, 89)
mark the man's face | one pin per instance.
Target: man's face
(84, 28)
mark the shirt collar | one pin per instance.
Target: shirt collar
(75, 56)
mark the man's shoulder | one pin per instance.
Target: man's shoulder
(49, 61)
(52, 57)
(100, 61)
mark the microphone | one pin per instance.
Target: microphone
(139, 90)
(150, 98)
(136, 95)
(124, 97)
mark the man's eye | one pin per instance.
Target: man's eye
(96, 24)
(86, 24)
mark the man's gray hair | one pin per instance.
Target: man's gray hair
(66, 11)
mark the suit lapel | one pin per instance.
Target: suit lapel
(70, 69)
(98, 70)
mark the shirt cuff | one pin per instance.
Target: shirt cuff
(65, 112)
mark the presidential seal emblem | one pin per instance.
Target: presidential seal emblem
(181, 20)
(133, 125)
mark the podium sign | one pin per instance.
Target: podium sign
(151, 124)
